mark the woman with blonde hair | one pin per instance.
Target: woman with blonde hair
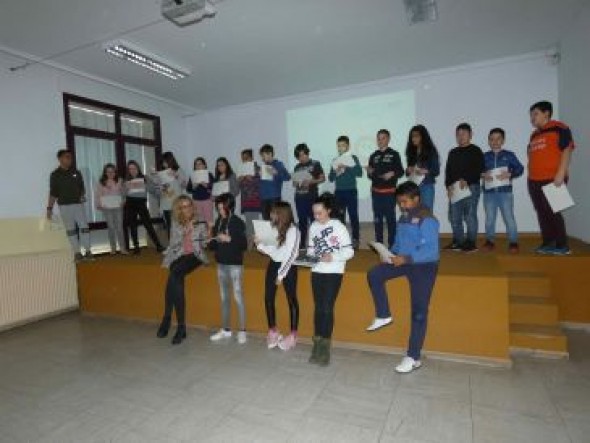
(184, 254)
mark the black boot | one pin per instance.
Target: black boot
(324, 352)
(164, 327)
(180, 335)
(314, 351)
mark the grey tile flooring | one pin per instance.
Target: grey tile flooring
(83, 379)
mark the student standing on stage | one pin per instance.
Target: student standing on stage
(500, 197)
(251, 206)
(346, 193)
(306, 191)
(229, 243)
(384, 169)
(111, 186)
(137, 187)
(280, 269)
(184, 254)
(272, 175)
(416, 258)
(171, 188)
(66, 187)
(225, 173)
(465, 164)
(329, 241)
(550, 151)
(201, 192)
(423, 163)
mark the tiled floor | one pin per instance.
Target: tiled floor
(79, 379)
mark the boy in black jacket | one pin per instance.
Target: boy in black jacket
(229, 243)
(465, 164)
(384, 170)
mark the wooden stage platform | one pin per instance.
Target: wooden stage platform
(484, 304)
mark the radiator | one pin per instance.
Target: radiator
(34, 286)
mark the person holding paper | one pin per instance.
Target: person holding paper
(307, 175)
(416, 257)
(225, 179)
(250, 192)
(549, 153)
(344, 173)
(136, 188)
(280, 269)
(272, 175)
(110, 199)
(384, 170)
(200, 186)
(330, 242)
(423, 163)
(171, 182)
(501, 167)
(465, 164)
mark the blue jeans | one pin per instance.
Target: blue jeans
(304, 207)
(384, 207)
(504, 201)
(465, 211)
(348, 200)
(427, 195)
(233, 274)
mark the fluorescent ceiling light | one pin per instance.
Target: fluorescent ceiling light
(125, 51)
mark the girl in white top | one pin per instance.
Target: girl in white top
(171, 182)
(330, 243)
(280, 269)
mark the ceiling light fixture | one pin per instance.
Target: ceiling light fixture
(125, 51)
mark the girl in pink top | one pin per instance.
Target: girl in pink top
(110, 198)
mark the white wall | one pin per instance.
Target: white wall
(496, 93)
(32, 128)
(574, 99)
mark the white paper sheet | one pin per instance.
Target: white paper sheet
(136, 186)
(166, 176)
(417, 178)
(496, 182)
(301, 176)
(200, 176)
(264, 231)
(345, 159)
(266, 173)
(219, 188)
(385, 254)
(458, 194)
(559, 198)
(246, 169)
(111, 201)
(305, 260)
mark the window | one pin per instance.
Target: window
(100, 133)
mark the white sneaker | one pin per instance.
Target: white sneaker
(288, 342)
(242, 339)
(408, 364)
(273, 339)
(378, 323)
(219, 335)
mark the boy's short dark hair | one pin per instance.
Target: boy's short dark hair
(464, 127)
(267, 149)
(301, 147)
(248, 152)
(343, 139)
(408, 189)
(497, 131)
(543, 106)
(62, 152)
(384, 131)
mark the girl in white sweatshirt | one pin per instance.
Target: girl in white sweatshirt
(330, 243)
(280, 269)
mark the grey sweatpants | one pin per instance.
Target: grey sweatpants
(74, 218)
(233, 274)
(114, 219)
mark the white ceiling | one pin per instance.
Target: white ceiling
(260, 49)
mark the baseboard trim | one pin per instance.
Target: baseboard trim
(576, 326)
(539, 353)
(38, 318)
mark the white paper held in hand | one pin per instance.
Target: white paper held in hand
(496, 182)
(200, 176)
(136, 186)
(266, 172)
(458, 194)
(384, 254)
(301, 176)
(221, 187)
(111, 201)
(246, 169)
(417, 178)
(345, 159)
(559, 197)
(265, 232)
(166, 176)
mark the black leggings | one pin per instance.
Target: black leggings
(290, 286)
(137, 207)
(168, 221)
(179, 269)
(325, 289)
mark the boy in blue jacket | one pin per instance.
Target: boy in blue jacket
(271, 180)
(498, 195)
(416, 256)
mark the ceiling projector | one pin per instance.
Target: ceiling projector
(187, 12)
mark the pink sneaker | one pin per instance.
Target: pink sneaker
(273, 339)
(288, 342)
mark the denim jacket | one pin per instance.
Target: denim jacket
(503, 158)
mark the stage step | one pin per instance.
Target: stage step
(548, 340)
(527, 310)
(529, 284)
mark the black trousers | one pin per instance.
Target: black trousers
(552, 224)
(134, 208)
(325, 289)
(174, 299)
(290, 286)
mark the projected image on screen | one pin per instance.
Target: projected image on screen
(319, 126)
